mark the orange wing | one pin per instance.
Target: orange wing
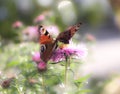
(48, 45)
(44, 36)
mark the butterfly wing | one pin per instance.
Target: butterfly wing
(47, 50)
(68, 34)
(44, 36)
(48, 45)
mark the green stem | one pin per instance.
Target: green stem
(43, 84)
(18, 90)
(69, 63)
(66, 65)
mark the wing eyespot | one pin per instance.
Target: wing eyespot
(43, 48)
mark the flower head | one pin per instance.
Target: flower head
(79, 51)
(30, 33)
(42, 66)
(58, 55)
(17, 24)
(36, 57)
(6, 83)
(39, 18)
(72, 50)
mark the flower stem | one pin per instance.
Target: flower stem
(66, 65)
(43, 84)
(67, 68)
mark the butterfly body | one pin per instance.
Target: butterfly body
(48, 45)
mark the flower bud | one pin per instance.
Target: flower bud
(36, 57)
(42, 66)
(6, 83)
(17, 24)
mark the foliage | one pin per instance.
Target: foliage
(27, 79)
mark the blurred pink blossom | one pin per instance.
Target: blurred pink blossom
(30, 33)
(75, 51)
(42, 66)
(80, 50)
(17, 24)
(90, 37)
(39, 18)
(36, 57)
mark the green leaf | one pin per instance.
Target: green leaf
(12, 63)
(79, 82)
(82, 79)
(84, 91)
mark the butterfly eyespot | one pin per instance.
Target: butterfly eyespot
(43, 48)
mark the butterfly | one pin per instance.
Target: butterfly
(49, 45)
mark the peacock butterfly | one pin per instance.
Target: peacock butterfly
(49, 45)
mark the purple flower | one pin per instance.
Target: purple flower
(58, 55)
(36, 57)
(30, 33)
(72, 50)
(39, 18)
(17, 24)
(80, 50)
(42, 66)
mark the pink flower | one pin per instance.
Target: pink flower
(30, 33)
(80, 50)
(74, 51)
(39, 18)
(17, 24)
(58, 55)
(36, 57)
(42, 66)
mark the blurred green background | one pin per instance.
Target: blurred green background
(64, 13)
